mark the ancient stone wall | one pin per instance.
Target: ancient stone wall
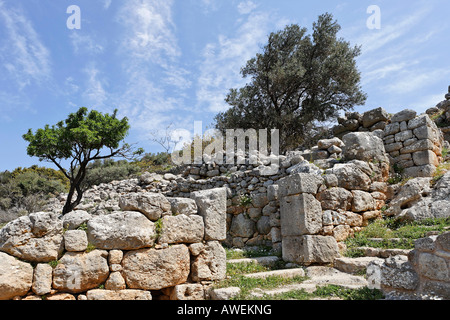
(155, 248)
(423, 274)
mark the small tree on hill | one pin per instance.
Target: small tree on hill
(81, 138)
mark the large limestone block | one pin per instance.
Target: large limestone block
(15, 277)
(42, 279)
(362, 201)
(78, 271)
(404, 115)
(212, 206)
(183, 206)
(300, 214)
(335, 198)
(363, 146)
(241, 226)
(37, 237)
(121, 230)
(211, 263)
(310, 249)
(425, 157)
(371, 117)
(182, 229)
(152, 205)
(299, 183)
(152, 269)
(128, 294)
(354, 175)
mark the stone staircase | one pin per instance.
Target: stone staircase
(345, 272)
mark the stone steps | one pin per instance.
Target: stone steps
(268, 261)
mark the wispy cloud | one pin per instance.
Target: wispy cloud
(84, 43)
(95, 94)
(224, 58)
(25, 57)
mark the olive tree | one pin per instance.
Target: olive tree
(81, 138)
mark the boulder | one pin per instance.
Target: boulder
(335, 198)
(362, 201)
(42, 279)
(363, 146)
(181, 229)
(354, 175)
(371, 117)
(74, 219)
(183, 206)
(37, 237)
(404, 115)
(152, 205)
(241, 226)
(78, 271)
(210, 264)
(212, 206)
(15, 277)
(152, 269)
(75, 240)
(121, 230)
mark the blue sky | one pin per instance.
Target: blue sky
(173, 61)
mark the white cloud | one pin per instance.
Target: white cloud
(246, 7)
(149, 34)
(95, 94)
(224, 58)
(28, 58)
(85, 43)
(106, 4)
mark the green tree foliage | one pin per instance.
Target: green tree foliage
(298, 81)
(81, 138)
(109, 170)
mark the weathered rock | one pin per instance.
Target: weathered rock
(115, 281)
(363, 146)
(354, 265)
(151, 269)
(42, 279)
(210, 264)
(335, 198)
(74, 219)
(425, 157)
(121, 230)
(325, 144)
(309, 249)
(225, 293)
(182, 229)
(129, 294)
(354, 175)
(77, 272)
(371, 117)
(15, 277)
(299, 183)
(37, 237)
(186, 291)
(300, 214)
(152, 205)
(212, 205)
(242, 226)
(362, 201)
(404, 115)
(183, 206)
(75, 240)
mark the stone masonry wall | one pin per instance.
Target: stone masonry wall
(425, 273)
(154, 248)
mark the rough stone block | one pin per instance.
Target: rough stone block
(309, 249)
(212, 206)
(404, 115)
(299, 183)
(75, 240)
(300, 215)
(182, 229)
(425, 157)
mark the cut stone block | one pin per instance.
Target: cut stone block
(310, 249)
(299, 183)
(300, 215)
